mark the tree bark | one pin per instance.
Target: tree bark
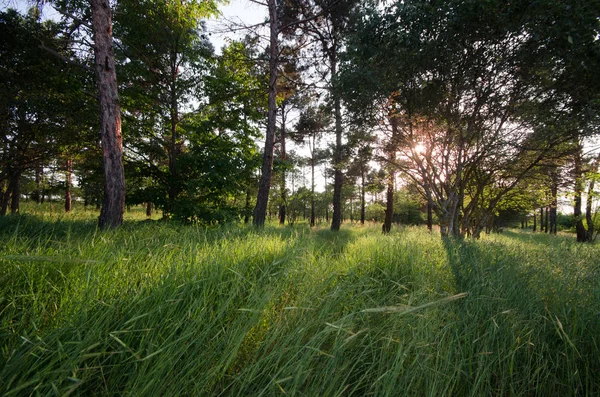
(68, 174)
(262, 200)
(38, 182)
(312, 188)
(389, 206)
(5, 199)
(391, 154)
(174, 147)
(148, 210)
(338, 179)
(282, 193)
(15, 192)
(362, 197)
(578, 192)
(113, 203)
(429, 213)
(589, 216)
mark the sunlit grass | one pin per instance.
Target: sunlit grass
(158, 308)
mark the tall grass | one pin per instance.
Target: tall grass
(156, 308)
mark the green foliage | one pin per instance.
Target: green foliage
(161, 308)
(407, 208)
(192, 116)
(44, 109)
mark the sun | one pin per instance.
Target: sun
(420, 148)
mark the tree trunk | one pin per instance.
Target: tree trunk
(312, 189)
(68, 174)
(247, 208)
(362, 197)
(429, 208)
(534, 222)
(148, 210)
(43, 192)
(15, 192)
(38, 182)
(578, 192)
(553, 203)
(260, 211)
(391, 155)
(282, 193)
(338, 180)
(5, 199)
(389, 206)
(113, 203)
(589, 216)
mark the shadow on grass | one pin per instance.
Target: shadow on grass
(531, 311)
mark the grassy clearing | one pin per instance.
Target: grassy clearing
(162, 309)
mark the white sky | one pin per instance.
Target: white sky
(235, 16)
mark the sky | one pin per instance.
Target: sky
(237, 12)
(235, 16)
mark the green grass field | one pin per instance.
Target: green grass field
(162, 309)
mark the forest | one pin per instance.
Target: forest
(348, 198)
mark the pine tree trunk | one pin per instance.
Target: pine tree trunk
(389, 207)
(578, 192)
(282, 193)
(391, 154)
(338, 181)
(113, 203)
(553, 203)
(15, 192)
(589, 216)
(175, 145)
(362, 198)
(38, 183)
(312, 190)
(5, 199)
(43, 190)
(262, 200)
(68, 185)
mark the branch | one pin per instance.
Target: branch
(64, 58)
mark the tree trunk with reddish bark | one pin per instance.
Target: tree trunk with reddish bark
(113, 203)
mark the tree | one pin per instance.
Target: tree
(113, 203)
(326, 22)
(288, 98)
(474, 116)
(585, 171)
(41, 99)
(361, 143)
(309, 130)
(165, 57)
(260, 211)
